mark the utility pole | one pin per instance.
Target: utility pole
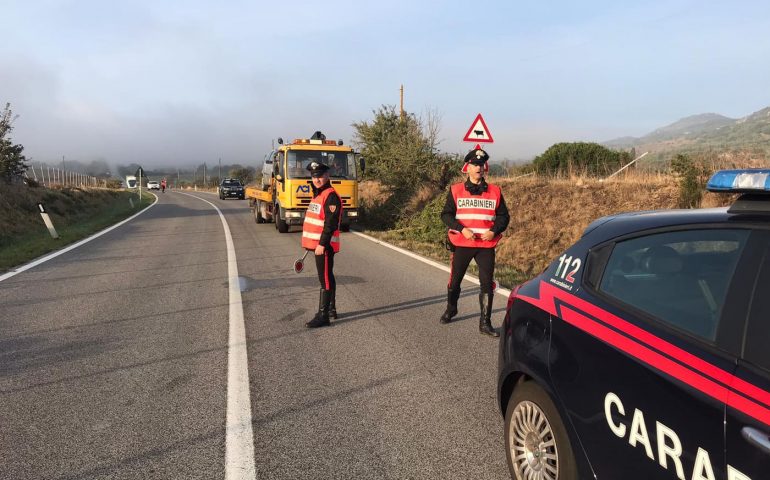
(64, 169)
(220, 169)
(204, 175)
(402, 102)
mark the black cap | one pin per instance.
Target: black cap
(477, 156)
(317, 169)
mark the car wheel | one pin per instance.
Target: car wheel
(345, 227)
(536, 441)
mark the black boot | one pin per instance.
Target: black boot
(485, 321)
(321, 318)
(333, 304)
(451, 306)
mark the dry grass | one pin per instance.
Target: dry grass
(549, 214)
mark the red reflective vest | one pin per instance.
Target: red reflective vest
(476, 212)
(314, 222)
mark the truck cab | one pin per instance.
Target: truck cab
(286, 188)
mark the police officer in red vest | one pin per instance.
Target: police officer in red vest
(321, 234)
(476, 216)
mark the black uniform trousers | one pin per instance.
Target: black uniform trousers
(325, 266)
(461, 258)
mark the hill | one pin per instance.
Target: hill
(705, 132)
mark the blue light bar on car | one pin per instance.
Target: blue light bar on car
(750, 180)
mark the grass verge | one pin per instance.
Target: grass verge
(77, 214)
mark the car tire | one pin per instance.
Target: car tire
(531, 416)
(345, 227)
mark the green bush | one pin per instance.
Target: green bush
(426, 225)
(580, 158)
(692, 180)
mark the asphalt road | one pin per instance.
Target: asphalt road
(114, 359)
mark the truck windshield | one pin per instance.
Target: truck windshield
(342, 164)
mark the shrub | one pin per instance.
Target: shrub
(692, 180)
(580, 158)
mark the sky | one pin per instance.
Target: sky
(174, 83)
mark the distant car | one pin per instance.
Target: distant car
(231, 188)
(642, 351)
(153, 185)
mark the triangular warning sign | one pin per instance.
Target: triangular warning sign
(478, 132)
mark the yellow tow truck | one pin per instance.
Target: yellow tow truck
(286, 188)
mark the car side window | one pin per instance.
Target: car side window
(680, 278)
(757, 351)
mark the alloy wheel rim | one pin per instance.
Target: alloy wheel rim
(533, 445)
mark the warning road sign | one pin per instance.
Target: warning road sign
(478, 132)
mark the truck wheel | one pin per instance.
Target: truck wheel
(257, 216)
(536, 441)
(280, 223)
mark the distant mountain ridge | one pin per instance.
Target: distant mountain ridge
(706, 131)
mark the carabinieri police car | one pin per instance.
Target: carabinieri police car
(643, 352)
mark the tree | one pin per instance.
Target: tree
(12, 161)
(403, 152)
(245, 174)
(581, 158)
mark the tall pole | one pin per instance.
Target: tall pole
(220, 169)
(64, 169)
(402, 102)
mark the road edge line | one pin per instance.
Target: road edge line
(49, 256)
(239, 437)
(433, 263)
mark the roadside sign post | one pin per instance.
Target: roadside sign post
(139, 176)
(479, 132)
(47, 221)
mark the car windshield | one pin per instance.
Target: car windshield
(231, 183)
(342, 164)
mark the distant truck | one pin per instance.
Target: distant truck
(286, 188)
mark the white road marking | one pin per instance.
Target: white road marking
(55, 254)
(433, 263)
(239, 440)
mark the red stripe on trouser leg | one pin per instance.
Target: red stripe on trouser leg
(451, 266)
(326, 270)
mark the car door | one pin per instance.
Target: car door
(748, 412)
(639, 355)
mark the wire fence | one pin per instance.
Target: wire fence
(47, 176)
